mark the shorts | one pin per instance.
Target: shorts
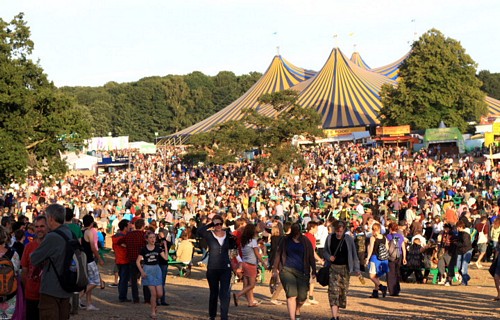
(93, 274)
(153, 273)
(481, 247)
(295, 283)
(249, 270)
(378, 267)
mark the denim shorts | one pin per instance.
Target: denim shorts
(295, 283)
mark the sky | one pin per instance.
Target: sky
(92, 42)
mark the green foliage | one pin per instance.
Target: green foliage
(437, 82)
(33, 114)
(491, 83)
(159, 104)
(230, 140)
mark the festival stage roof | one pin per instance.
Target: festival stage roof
(280, 75)
(344, 94)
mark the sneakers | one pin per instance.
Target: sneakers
(442, 281)
(276, 302)
(113, 285)
(307, 303)
(312, 301)
(82, 306)
(447, 284)
(91, 307)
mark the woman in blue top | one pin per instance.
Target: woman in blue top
(219, 242)
(295, 263)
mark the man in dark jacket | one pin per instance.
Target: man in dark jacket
(464, 252)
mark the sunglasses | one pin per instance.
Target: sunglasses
(218, 224)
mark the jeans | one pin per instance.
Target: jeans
(134, 275)
(124, 277)
(164, 270)
(219, 282)
(463, 261)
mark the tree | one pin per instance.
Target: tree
(36, 120)
(491, 83)
(437, 82)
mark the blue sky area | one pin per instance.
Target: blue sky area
(92, 42)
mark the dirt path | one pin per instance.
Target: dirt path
(188, 299)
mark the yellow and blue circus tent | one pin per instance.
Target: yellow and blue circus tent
(391, 70)
(493, 106)
(280, 75)
(357, 60)
(344, 94)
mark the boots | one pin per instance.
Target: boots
(374, 294)
(383, 289)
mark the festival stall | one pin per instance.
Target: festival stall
(444, 140)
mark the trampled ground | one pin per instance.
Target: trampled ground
(188, 298)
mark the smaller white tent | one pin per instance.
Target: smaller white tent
(144, 147)
(80, 161)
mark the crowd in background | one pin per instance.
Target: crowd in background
(439, 213)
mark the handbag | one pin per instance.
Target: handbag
(323, 274)
(493, 267)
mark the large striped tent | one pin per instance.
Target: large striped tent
(357, 60)
(344, 94)
(391, 70)
(493, 106)
(280, 75)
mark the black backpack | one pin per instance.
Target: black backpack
(74, 277)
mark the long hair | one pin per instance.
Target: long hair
(295, 230)
(248, 234)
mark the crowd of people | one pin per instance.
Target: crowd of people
(393, 214)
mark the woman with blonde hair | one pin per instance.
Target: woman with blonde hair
(378, 263)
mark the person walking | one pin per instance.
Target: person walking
(219, 242)
(464, 252)
(134, 242)
(31, 274)
(295, 264)
(341, 256)
(54, 300)
(496, 276)
(121, 260)
(151, 272)
(250, 258)
(89, 245)
(377, 258)
(398, 244)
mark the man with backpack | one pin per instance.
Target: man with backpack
(54, 300)
(30, 273)
(397, 255)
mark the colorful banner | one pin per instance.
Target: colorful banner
(393, 131)
(330, 133)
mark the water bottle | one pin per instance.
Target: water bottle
(361, 279)
(72, 268)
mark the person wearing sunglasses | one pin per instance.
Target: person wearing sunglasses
(219, 242)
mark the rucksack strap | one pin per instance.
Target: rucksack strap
(66, 239)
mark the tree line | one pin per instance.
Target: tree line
(158, 104)
(439, 81)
